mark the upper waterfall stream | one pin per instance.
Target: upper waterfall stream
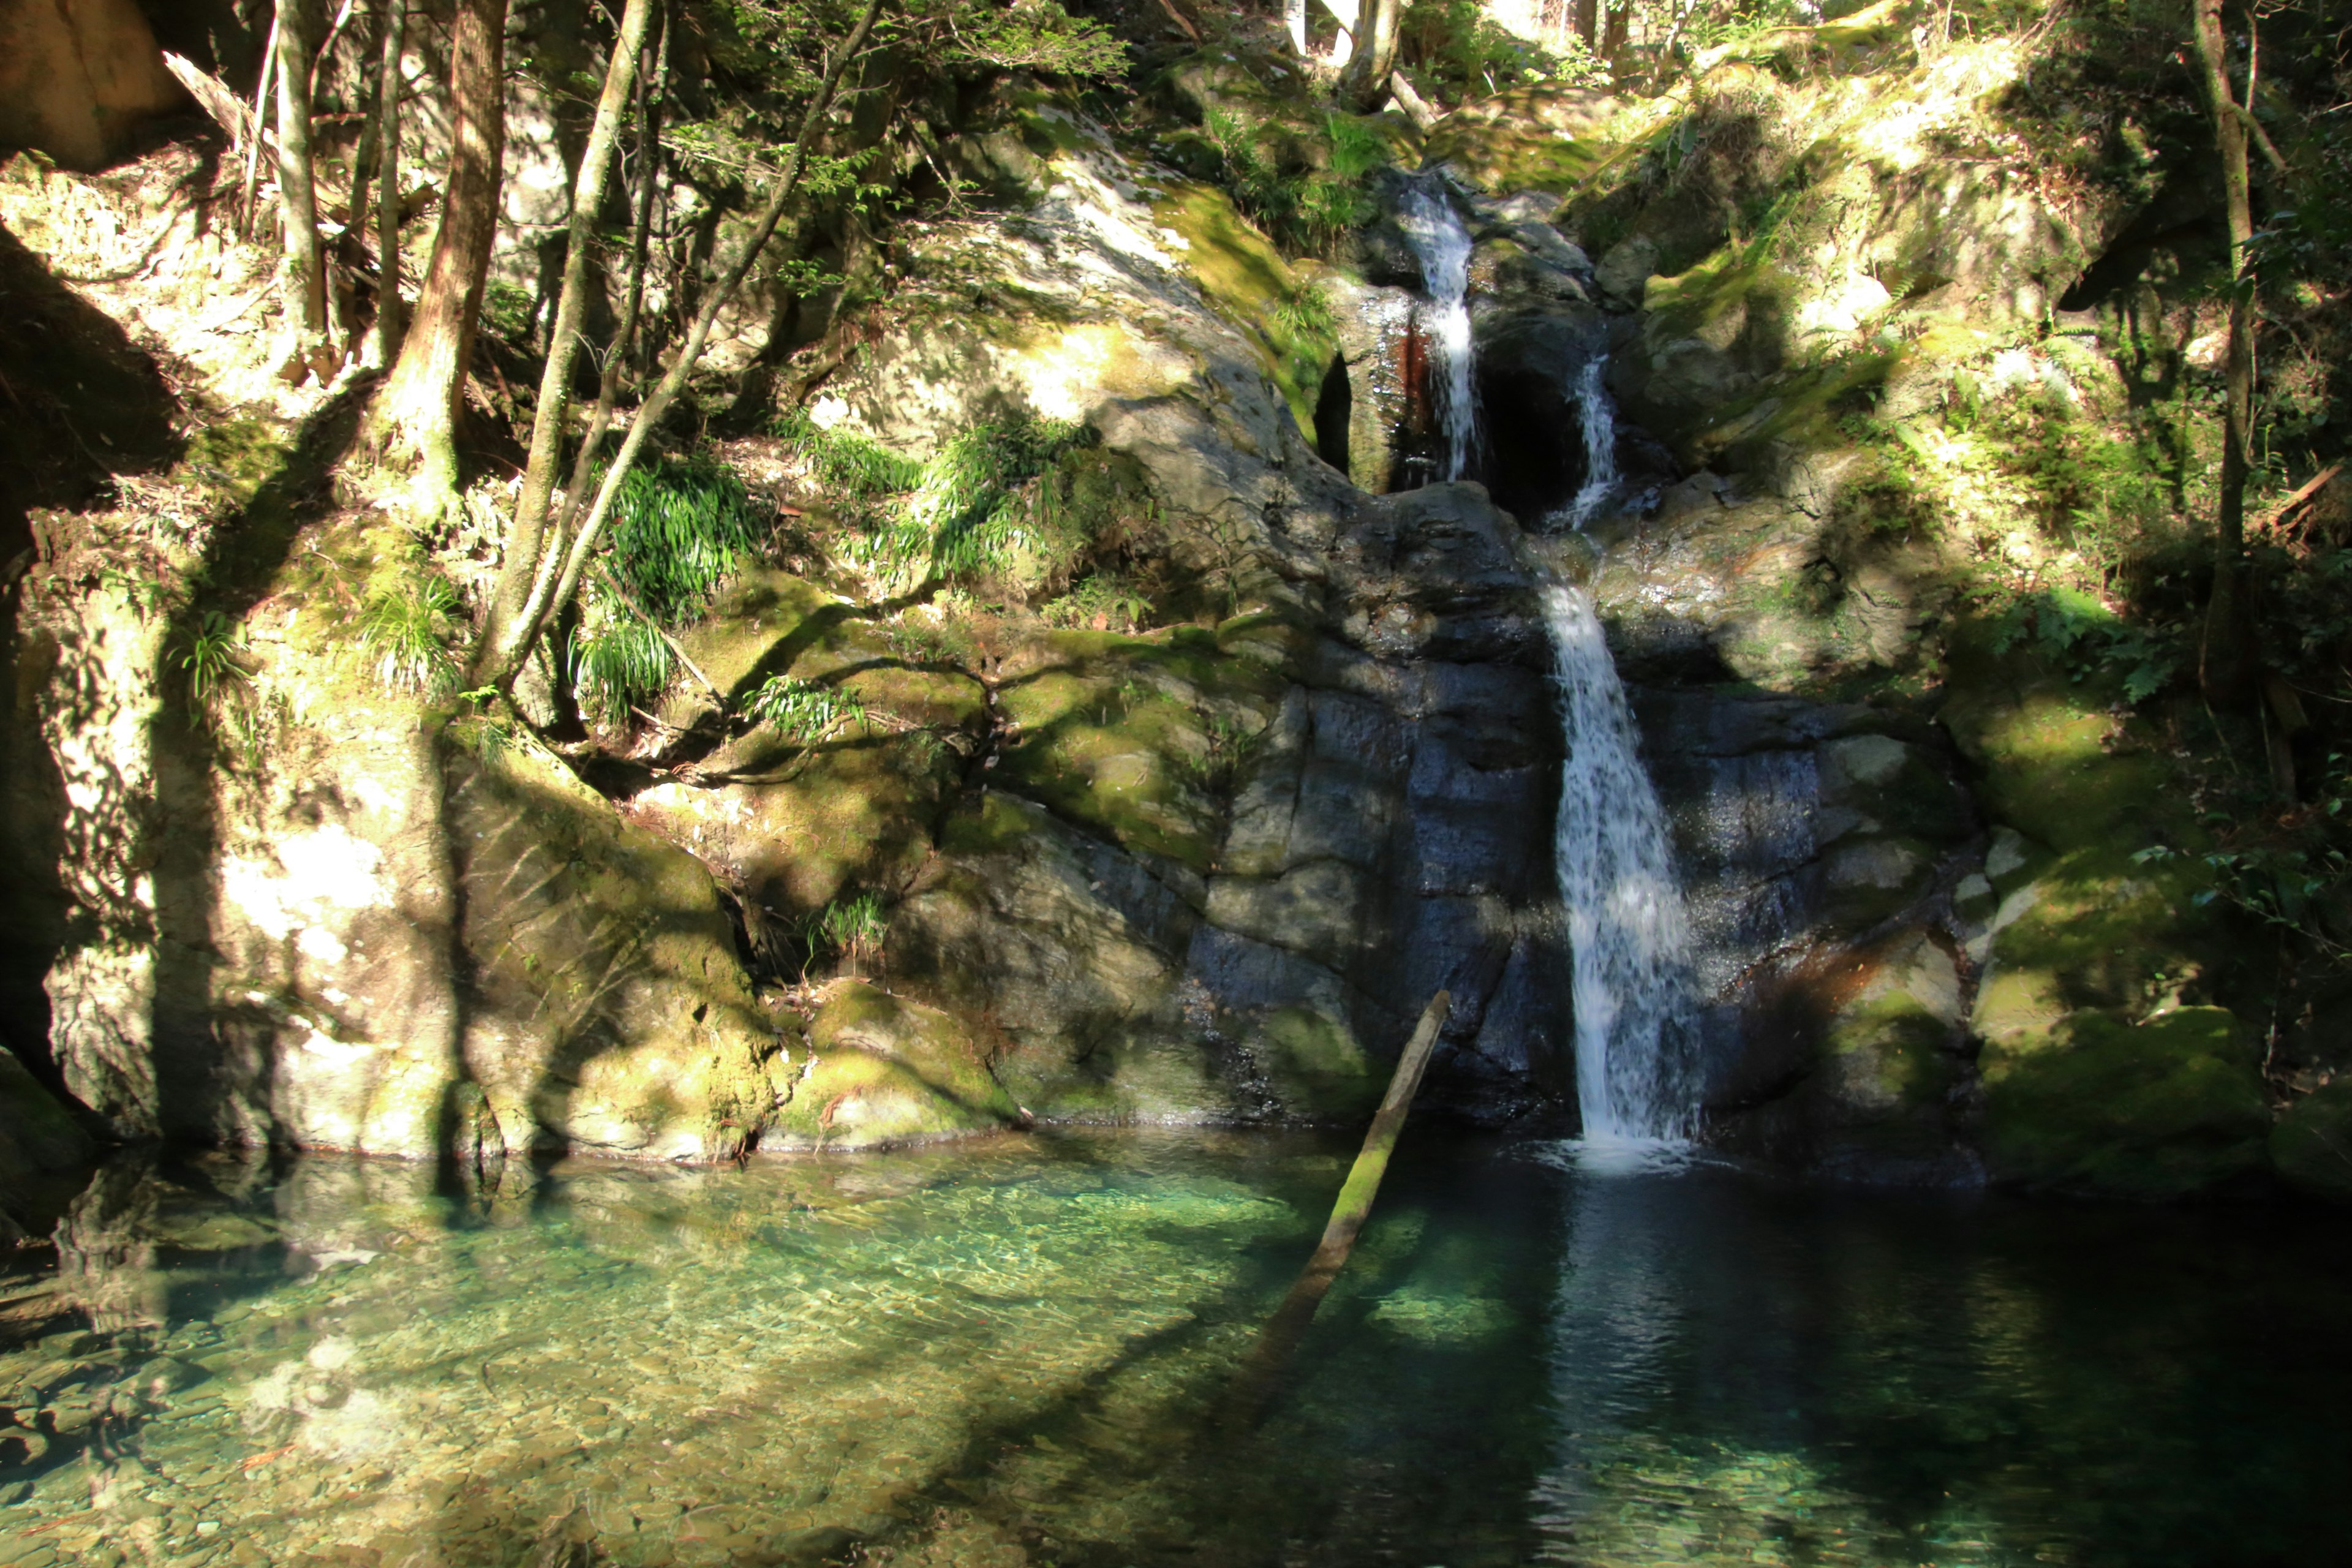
(1442, 244)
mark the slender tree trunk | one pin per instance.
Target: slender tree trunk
(1367, 77)
(1588, 23)
(1293, 16)
(387, 184)
(650, 99)
(305, 276)
(526, 535)
(1616, 29)
(2226, 661)
(261, 105)
(496, 665)
(414, 421)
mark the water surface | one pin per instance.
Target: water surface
(1022, 1352)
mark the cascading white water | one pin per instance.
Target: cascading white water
(1629, 932)
(1440, 240)
(1598, 416)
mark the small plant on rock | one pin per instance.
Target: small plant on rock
(404, 631)
(801, 711)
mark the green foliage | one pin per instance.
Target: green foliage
(623, 664)
(1308, 313)
(1299, 207)
(990, 503)
(405, 629)
(1229, 747)
(1102, 603)
(1462, 52)
(2078, 634)
(851, 928)
(508, 310)
(2291, 872)
(801, 711)
(679, 528)
(210, 656)
(845, 461)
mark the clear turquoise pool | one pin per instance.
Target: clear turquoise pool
(1023, 1352)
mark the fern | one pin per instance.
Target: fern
(623, 664)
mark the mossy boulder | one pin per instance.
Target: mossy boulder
(2311, 1146)
(2164, 1108)
(609, 1012)
(1545, 137)
(1135, 737)
(884, 1070)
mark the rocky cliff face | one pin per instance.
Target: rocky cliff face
(288, 893)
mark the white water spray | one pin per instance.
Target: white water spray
(1598, 416)
(1440, 240)
(1627, 928)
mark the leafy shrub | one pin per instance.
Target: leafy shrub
(2081, 635)
(1103, 602)
(801, 711)
(405, 630)
(845, 461)
(678, 529)
(210, 658)
(1302, 209)
(850, 929)
(623, 664)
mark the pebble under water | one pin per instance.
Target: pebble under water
(1022, 1352)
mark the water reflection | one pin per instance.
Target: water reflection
(1019, 1354)
(1753, 1374)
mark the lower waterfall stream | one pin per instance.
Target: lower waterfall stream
(1628, 933)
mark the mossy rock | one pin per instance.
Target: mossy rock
(885, 1071)
(1317, 1067)
(1128, 735)
(2311, 1146)
(1246, 281)
(609, 1010)
(2163, 1109)
(1513, 155)
(2054, 760)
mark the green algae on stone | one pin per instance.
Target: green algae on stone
(885, 1071)
(1125, 733)
(1247, 281)
(2162, 1108)
(2311, 1146)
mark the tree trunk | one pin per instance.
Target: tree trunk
(2226, 661)
(1616, 30)
(1588, 23)
(527, 533)
(497, 664)
(1294, 16)
(1367, 78)
(414, 421)
(651, 98)
(387, 185)
(306, 277)
(261, 105)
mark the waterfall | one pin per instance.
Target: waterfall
(1438, 238)
(1598, 416)
(1627, 928)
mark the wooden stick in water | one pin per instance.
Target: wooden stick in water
(1290, 1321)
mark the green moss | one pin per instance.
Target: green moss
(2161, 1109)
(1245, 279)
(1121, 732)
(889, 1070)
(2311, 1147)
(1317, 1065)
(1514, 154)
